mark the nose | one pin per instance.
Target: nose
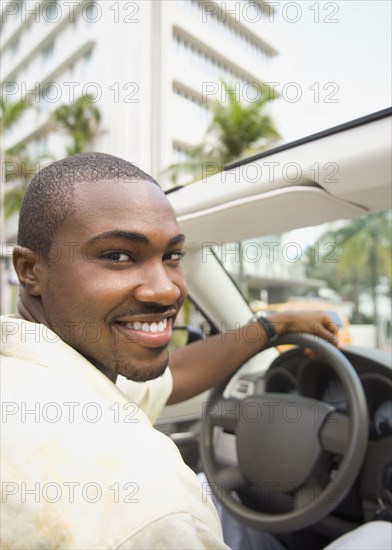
(158, 285)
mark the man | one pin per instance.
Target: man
(98, 260)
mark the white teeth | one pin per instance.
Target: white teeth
(148, 327)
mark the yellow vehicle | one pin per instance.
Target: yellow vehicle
(336, 313)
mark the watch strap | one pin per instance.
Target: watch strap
(267, 325)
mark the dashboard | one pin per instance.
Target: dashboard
(292, 372)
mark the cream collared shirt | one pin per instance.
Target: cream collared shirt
(82, 465)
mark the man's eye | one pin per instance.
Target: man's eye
(116, 256)
(175, 256)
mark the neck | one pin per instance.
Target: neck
(30, 308)
(108, 373)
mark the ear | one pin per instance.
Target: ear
(30, 269)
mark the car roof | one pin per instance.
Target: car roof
(340, 173)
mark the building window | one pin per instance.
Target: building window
(87, 58)
(205, 62)
(40, 146)
(43, 105)
(231, 30)
(47, 52)
(179, 154)
(91, 13)
(189, 105)
(15, 46)
(184, 94)
(52, 12)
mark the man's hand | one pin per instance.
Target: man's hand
(317, 323)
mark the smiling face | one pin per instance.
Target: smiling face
(113, 285)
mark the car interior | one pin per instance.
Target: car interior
(292, 444)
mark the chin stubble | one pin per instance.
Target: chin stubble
(140, 374)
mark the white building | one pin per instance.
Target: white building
(151, 67)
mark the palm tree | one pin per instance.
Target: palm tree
(10, 113)
(363, 245)
(79, 120)
(242, 128)
(237, 130)
(17, 165)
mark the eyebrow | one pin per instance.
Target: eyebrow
(133, 237)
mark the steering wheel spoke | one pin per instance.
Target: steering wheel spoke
(224, 413)
(335, 433)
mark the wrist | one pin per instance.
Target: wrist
(267, 324)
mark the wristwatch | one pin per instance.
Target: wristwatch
(263, 319)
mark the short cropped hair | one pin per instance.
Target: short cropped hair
(49, 196)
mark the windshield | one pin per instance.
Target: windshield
(341, 267)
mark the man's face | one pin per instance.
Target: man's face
(113, 284)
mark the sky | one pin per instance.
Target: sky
(338, 55)
(340, 66)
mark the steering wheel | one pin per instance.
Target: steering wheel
(285, 446)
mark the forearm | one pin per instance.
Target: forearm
(204, 364)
